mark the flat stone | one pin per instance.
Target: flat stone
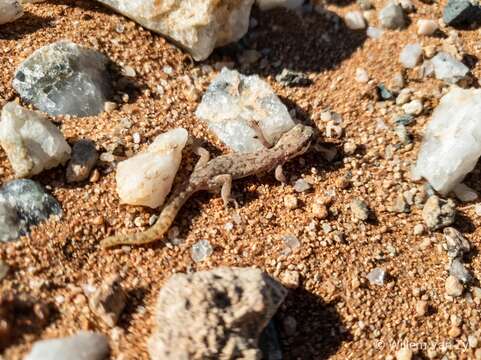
(451, 145)
(31, 141)
(216, 314)
(64, 78)
(10, 10)
(84, 158)
(244, 112)
(146, 178)
(198, 26)
(82, 346)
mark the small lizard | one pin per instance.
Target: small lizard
(218, 174)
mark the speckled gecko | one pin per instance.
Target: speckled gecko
(218, 174)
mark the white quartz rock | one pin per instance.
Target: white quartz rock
(31, 141)
(81, 346)
(197, 25)
(271, 4)
(146, 178)
(448, 69)
(411, 55)
(354, 20)
(244, 112)
(427, 27)
(452, 140)
(10, 10)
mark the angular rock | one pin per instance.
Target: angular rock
(146, 178)
(81, 346)
(217, 314)
(456, 243)
(271, 4)
(293, 78)
(31, 141)
(459, 12)
(24, 203)
(64, 78)
(359, 210)
(201, 250)
(376, 277)
(244, 112)
(411, 55)
(392, 16)
(108, 301)
(427, 27)
(452, 140)
(459, 271)
(438, 213)
(448, 69)
(199, 26)
(84, 158)
(10, 10)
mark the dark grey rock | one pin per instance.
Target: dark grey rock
(384, 93)
(25, 204)
(438, 213)
(269, 342)
(459, 271)
(404, 120)
(392, 16)
(84, 158)
(293, 78)
(460, 12)
(64, 78)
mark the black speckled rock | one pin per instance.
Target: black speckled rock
(24, 203)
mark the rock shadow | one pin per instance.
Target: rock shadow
(27, 24)
(319, 331)
(310, 42)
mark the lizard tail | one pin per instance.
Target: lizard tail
(158, 230)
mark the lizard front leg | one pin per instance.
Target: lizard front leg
(204, 156)
(225, 181)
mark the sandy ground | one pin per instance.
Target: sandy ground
(339, 315)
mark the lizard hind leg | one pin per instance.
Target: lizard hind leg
(225, 181)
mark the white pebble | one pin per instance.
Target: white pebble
(414, 107)
(411, 55)
(362, 75)
(374, 33)
(427, 27)
(354, 20)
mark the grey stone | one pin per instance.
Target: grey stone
(82, 346)
(64, 78)
(201, 250)
(359, 210)
(293, 78)
(457, 245)
(30, 204)
(216, 314)
(459, 271)
(459, 12)
(84, 158)
(404, 120)
(392, 16)
(438, 213)
(449, 69)
(384, 93)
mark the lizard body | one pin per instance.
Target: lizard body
(218, 174)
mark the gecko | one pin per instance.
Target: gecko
(217, 174)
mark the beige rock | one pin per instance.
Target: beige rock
(199, 26)
(10, 10)
(216, 314)
(453, 286)
(146, 178)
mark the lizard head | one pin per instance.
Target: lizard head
(296, 141)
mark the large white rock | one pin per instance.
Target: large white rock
(197, 25)
(31, 141)
(271, 4)
(242, 110)
(10, 10)
(146, 178)
(452, 140)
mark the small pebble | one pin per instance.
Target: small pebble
(411, 55)
(291, 202)
(453, 287)
(359, 210)
(421, 307)
(454, 332)
(201, 250)
(427, 27)
(414, 107)
(418, 229)
(354, 20)
(302, 185)
(405, 353)
(361, 75)
(376, 276)
(3, 269)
